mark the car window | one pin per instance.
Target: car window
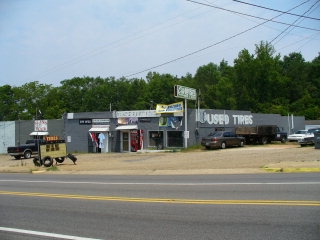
(300, 132)
(215, 134)
(226, 134)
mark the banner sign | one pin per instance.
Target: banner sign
(171, 108)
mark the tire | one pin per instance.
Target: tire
(27, 154)
(223, 145)
(283, 140)
(47, 161)
(264, 140)
(59, 160)
(17, 157)
(241, 144)
(208, 148)
(37, 162)
(72, 158)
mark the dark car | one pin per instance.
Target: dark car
(222, 140)
(309, 137)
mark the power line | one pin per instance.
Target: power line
(275, 10)
(261, 18)
(291, 26)
(214, 44)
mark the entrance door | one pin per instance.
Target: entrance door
(125, 141)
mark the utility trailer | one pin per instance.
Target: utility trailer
(52, 149)
(261, 134)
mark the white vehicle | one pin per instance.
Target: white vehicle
(298, 135)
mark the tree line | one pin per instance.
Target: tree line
(261, 82)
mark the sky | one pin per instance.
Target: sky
(54, 40)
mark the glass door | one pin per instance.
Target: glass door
(125, 141)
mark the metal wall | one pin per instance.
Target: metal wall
(209, 120)
(7, 135)
(13, 133)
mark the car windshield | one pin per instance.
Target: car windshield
(313, 130)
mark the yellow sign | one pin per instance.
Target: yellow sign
(169, 108)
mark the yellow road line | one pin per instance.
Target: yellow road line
(166, 200)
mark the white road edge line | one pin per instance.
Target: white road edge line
(44, 234)
(169, 184)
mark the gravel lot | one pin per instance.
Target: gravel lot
(249, 159)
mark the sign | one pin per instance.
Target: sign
(41, 125)
(186, 134)
(85, 121)
(171, 108)
(101, 120)
(52, 138)
(138, 114)
(185, 92)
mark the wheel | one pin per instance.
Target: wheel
(241, 144)
(17, 157)
(47, 161)
(208, 148)
(223, 145)
(37, 162)
(263, 140)
(59, 160)
(27, 154)
(283, 140)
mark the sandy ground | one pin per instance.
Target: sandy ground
(249, 159)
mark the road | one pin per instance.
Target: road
(240, 206)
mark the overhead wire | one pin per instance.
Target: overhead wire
(219, 42)
(275, 10)
(292, 25)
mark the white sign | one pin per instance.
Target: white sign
(41, 125)
(138, 113)
(186, 134)
(185, 92)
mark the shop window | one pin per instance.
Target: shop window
(156, 139)
(175, 138)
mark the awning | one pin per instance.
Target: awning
(127, 127)
(96, 129)
(38, 133)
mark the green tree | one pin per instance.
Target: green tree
(8, 109)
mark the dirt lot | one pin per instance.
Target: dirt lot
(249, 159)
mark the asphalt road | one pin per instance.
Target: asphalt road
(263, 206)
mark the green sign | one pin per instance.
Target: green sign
(185, 92)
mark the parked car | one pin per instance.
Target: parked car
(222, 140)
(308, 139)
(297, 135)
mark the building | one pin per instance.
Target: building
(125, 131)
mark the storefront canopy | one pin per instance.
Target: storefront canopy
(99, 129)
(127, 127)
(38, 133)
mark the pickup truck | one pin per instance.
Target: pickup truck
(25, 150)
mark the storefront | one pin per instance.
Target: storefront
(99, 136)
(131, 138)
(130, 131)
